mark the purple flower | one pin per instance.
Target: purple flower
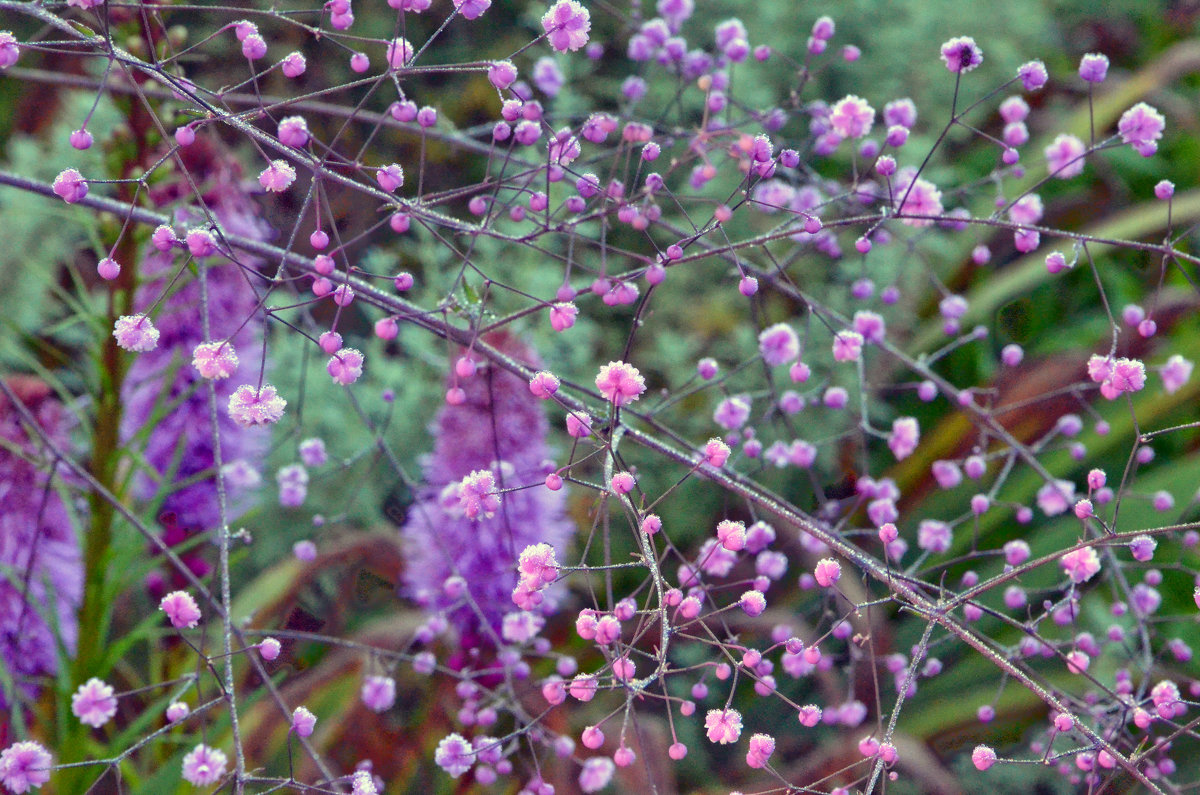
(39, 553)
(1093, 67)
(1141, 126)
(1064, 156)
(961, 54)
(499, 429)
(23, 766)
(179, 448)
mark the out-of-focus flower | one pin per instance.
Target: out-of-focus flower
(499, 428)
(41, 573)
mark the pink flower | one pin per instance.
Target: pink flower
(454, 755)
(1033, 75)
(596, 774)
(23, 766)
(716, 453)
(619, 382)
(390, 178)
(961, 54)
(1093, 67)
(293, 132)
(917, 197)
(1141, 126)
(399, 53)
(753, 603)
(215, 360)
(293, 64)
(1128, 375)
(1054, 498)
(9, 51)
(269, 649)
(852, 117)
(761, 748)
(346, 366)
(249, 406)
(1175, 373)
(1081, 565)
(778, 345)
(983, 757)
(562, 315)
(303, 721)
(543, 385)
(477, 494)
(70, 186)
(204, 766)
(181, 608)
(135, 333)
(847, 346)
(732, 535)
(177, 711)
(378, 693)
(567, 24)
(905, 434)
(94, 703)
(472, 9)
(827, 572)
(1064, 156)
(277, 177)
(723, 725)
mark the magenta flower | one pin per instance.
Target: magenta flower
(1054, 498)
(827, 572)
(778, 344)
(761, 748)
(567, 24)
(346, 366)
(596, 774)
(24, 766)
(1141, 126)
(277, 177)
(847, 346)
(961, 54)
(249, 406)
(983, 757)
(918, 197)
(852, 117)
(10, 51)
(378, 693)
(94, 703)
(1175, 373)
(1093, 67)
(303, 722)
(904, 437)
(620, 383)
(136, 333)
(723, 725)
(70, 186)
(181, 608)
(1081, 565)
(390, 177)
(204, 766)
(1064, 156)
(455, 755)
(293, 65)
(472, 9)
(1033, 75)
(399, 53)
(215, 360)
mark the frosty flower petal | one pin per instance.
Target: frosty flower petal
(135, 333)
(249, 406)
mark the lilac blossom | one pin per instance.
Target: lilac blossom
(41, 572)
(499, 428)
